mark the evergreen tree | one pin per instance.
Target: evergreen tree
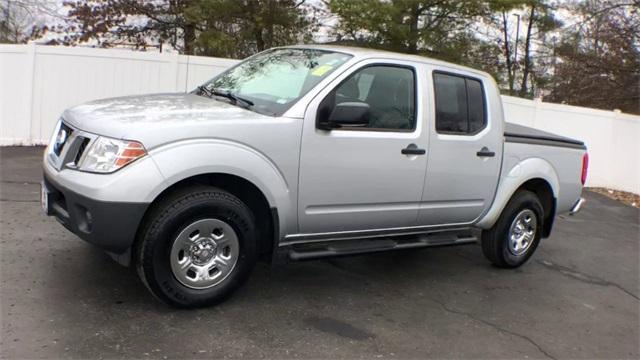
(227, 28)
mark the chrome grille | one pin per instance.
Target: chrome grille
(81, 148)
(67, 146)
(61, 139)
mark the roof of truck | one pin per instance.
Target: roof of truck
(368, 52)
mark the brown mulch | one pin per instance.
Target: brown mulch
(623, 196)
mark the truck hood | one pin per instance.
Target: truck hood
(157, 118)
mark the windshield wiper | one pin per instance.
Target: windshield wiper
(204, 90)
(231, 96)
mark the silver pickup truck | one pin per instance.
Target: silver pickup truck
(301, 153)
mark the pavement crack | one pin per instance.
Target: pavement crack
(19, 201)
(589, 279)
(494, 326)
(20, 182)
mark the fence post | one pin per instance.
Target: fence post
(537, 103)
(186, 75)
(176, 71)
(31, 69)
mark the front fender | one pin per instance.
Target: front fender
(184, 159)
(518, 174)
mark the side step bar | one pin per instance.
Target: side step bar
(301, 252)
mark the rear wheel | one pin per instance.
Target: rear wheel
(516, 234)
(197, 247)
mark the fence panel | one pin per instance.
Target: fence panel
(38, 82)
(613, 138)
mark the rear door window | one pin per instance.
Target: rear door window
(460, 104)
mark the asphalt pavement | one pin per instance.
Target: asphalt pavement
(578, 297)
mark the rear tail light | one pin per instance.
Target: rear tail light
(585, 168)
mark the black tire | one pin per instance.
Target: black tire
(495, 242)
(163, 224)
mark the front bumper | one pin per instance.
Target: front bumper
(111, 226)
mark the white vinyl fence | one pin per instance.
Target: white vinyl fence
(612, 138)
(38, 82)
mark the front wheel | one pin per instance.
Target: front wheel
(197, 247)
(516, 234)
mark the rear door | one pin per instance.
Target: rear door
(358, 178)
(465, 152)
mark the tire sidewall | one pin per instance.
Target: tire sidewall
(156, 265)
(529, 201)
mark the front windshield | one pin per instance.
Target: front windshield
(274, 80)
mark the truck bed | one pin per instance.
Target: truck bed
(523, 134)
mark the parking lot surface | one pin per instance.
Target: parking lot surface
(578, 297)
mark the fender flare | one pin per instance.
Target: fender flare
(511, 181)
(185, 159)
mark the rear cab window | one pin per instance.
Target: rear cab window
(460, 104)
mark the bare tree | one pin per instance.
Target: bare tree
(599, 59)
(20, 20)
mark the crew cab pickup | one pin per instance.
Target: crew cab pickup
(301, 153)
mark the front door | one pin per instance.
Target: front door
(359, 178)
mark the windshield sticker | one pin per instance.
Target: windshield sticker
(321, 70)
(281, 101)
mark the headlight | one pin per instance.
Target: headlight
(107, 155)
(54, 136)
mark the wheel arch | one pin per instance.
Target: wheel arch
(535, 175)
(544, 192)
(235, 167)
(266, 214)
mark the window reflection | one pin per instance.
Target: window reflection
(276, 79)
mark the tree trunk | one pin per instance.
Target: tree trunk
(257, 33)
(412, 45)
(189, 38)
(507, 52)
(527, 56)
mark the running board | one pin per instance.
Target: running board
(301, 252)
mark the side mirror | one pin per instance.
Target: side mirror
(347, 114)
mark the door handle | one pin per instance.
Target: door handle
(413, 149)
(485, 152)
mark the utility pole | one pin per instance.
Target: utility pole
(554, 63)
(515, 52)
